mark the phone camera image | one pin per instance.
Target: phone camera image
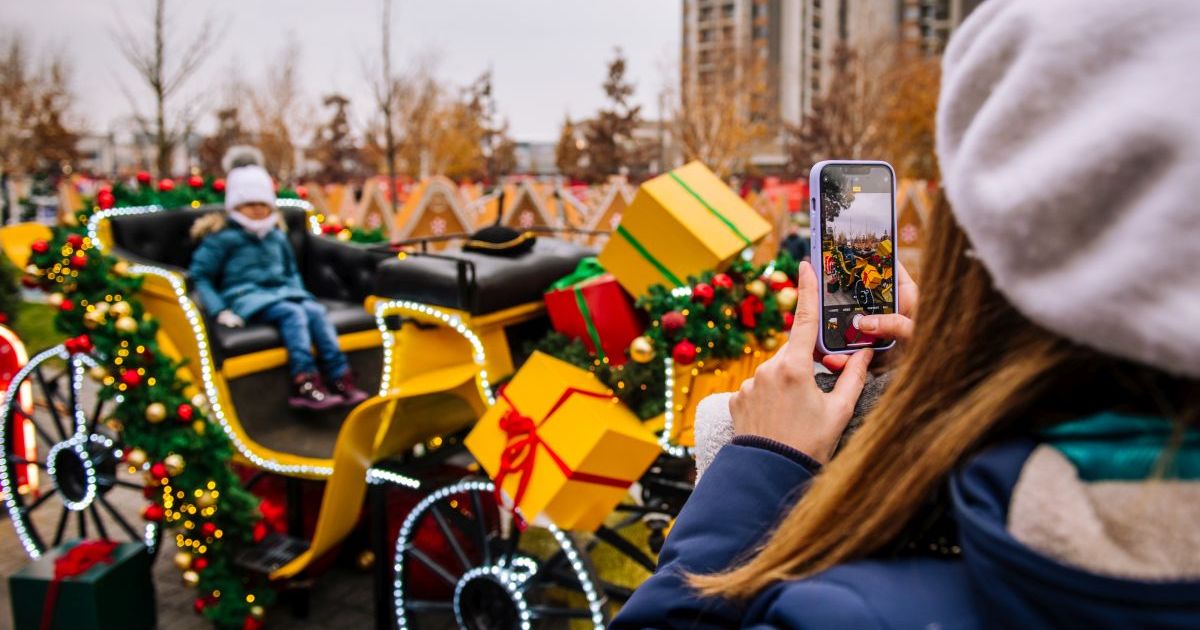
(857, 255)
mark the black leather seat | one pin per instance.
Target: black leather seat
(339, 274)
(478, 283)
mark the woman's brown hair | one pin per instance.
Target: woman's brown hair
(975, 371)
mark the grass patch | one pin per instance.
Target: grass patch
(35, 326)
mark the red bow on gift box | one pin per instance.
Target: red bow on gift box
(76, 561)
(523, 441)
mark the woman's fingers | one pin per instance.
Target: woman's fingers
(890, 326)
(807, 322)
(835, 362)
(907, 291)
(853, 377)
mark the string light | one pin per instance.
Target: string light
(393, 307)
(664, 440)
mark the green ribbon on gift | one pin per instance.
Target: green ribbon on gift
(645, 253)
(587, 269)
(714, 211)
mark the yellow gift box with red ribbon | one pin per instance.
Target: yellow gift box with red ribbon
(680, 224)
(559, 444)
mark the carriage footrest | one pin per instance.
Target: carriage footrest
(273, 552)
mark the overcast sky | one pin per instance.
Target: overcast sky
(548, 56)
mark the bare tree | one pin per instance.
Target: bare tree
(385, 87)
(722, 124)
(164, 75)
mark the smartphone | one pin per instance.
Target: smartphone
(853, 216)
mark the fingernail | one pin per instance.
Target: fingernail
(868, 323)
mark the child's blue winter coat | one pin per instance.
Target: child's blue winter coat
(233, 269)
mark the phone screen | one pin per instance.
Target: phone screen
(857, 251)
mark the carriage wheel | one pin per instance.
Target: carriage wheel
(462, 559)
(61, 474)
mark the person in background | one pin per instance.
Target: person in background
(245, 270)
(1035, 461)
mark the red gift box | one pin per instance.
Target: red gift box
(597, 310)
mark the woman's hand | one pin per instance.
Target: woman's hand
(896, 326)
(782, 401)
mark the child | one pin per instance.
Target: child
(244, 270)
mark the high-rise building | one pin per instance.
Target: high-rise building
(796, 40)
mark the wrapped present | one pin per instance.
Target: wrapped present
(590, 305)
(558, 444)
(86, 585)
(680, 224)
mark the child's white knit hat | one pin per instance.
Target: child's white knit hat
(248, 184)
(1068, 135)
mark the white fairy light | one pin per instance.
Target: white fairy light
(664, 440)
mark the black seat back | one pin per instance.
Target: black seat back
(165, 237)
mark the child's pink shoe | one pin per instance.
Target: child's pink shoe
(348, 390)
(308, 393)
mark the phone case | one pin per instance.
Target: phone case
(815, 255)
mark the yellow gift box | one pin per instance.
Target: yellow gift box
(680, 224)
(559, 444)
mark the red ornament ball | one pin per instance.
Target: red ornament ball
(131, 378)
(208, 529)
(67, 306)
(158, 470)
(79, 261)
(218, 185)
(788, 320)
(153, 512)
(722, 281)
(260, 531)
(251, 623)
(684, 352)
(673, 321)
(143, 177)
(3, 318)
(75, 240)
(40, 247)
(302, 192)
(703, 293)
(195, 181)
(105, 199)
(166, 185)
(82, 343)
(185, 412)
(199, 605)
(330, 228)
(199, 564)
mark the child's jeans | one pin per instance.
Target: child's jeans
(302, 324)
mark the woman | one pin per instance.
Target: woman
(1034, 461)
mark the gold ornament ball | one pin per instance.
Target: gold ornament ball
(136, 458)
(199, 427)
(786, 298)
(778, 277)
(641, 349)
(199, 401)
(174, 463)
(33, 270)
(92, 319)
(69, 219)
(55, 299)
(98, 373)
(156, 412)
(114, 425)
(366, 560)
(120, 268)
(757, 288)
(183, 561)
(344, 235)
(771, 342)
(257, 611)
(102, 307)
(127, 325)
(121, 309)
(191, 578)
(206, 500)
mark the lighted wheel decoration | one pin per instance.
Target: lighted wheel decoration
(462, 560)
(61, 474)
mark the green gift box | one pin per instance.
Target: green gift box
(119, 594)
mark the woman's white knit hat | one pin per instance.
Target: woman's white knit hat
(248, 184)
(1068, 133)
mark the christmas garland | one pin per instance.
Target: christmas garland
(352, 234)
(714, 319)
(167, 435)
